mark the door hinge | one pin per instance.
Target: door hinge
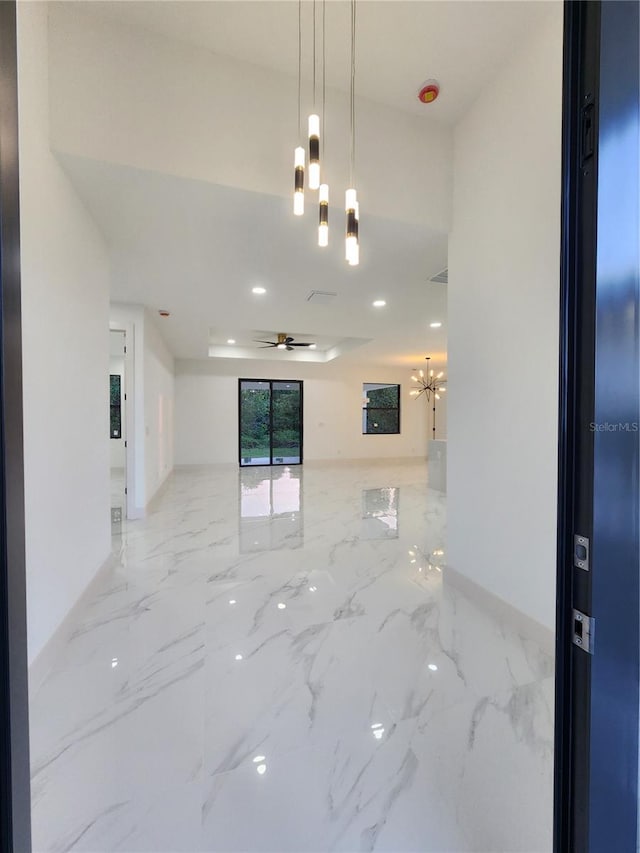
(125, 350)
(583, 630)
(125, 444)
(580, 552)
(125, 491)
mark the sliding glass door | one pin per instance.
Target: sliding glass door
(270, 422)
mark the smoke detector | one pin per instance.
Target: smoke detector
(429, 91)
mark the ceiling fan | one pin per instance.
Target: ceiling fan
(284, 342)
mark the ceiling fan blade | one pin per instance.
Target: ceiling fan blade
(288, 340)
(267, 347)
(268, 343)
(302, 345)
(289, 348)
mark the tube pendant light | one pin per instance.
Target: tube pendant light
(298, 157)
(323, 224)
(298, 192)
(314, 122)
(352, 243)
(314, 152)
(323, 197)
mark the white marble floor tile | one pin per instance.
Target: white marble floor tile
(278, 663)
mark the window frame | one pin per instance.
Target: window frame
(368, 409)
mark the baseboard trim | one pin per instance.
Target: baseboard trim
(310, 463)
(374, 460)
(44, 662)
(526, 626)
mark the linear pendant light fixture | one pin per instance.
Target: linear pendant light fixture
(298, 161)
(352, 245)
(323, 198)
(314, 123)
(317, 143)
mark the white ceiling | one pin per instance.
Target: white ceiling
(198, 249)
(400, 43)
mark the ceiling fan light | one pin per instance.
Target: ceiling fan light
(281, 346)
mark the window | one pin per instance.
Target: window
(270, 415)
(115, 397)
(380, 409)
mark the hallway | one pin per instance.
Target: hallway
(280, 660)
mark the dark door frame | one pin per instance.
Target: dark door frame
(270, 383)
(15, 806)
(577, 826)
(596, 765)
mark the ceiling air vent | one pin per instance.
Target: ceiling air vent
(321, 297)
(441, 277)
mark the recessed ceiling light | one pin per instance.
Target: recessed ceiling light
(379, 303)
(435, 325)
(259, 290)
(231, 341)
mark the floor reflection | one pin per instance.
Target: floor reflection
(271, 516)
(380, 509)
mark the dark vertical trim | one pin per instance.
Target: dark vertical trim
(15, 812)
(240, 423)
(582, 22)
(576, 407)
(301, 384)
(613, 811)
(596, 769)
(270, 423)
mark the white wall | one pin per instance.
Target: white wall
(65, 304)
(150, 398)
(503, 330)
(128, 96)
(158, 408)
(207, 410)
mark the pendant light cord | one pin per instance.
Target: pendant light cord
(324, 79)
(314, 55)
(352, 158)
(299, 68)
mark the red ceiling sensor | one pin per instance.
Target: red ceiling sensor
(429, 92)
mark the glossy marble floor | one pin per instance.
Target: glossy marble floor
(280, 662)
